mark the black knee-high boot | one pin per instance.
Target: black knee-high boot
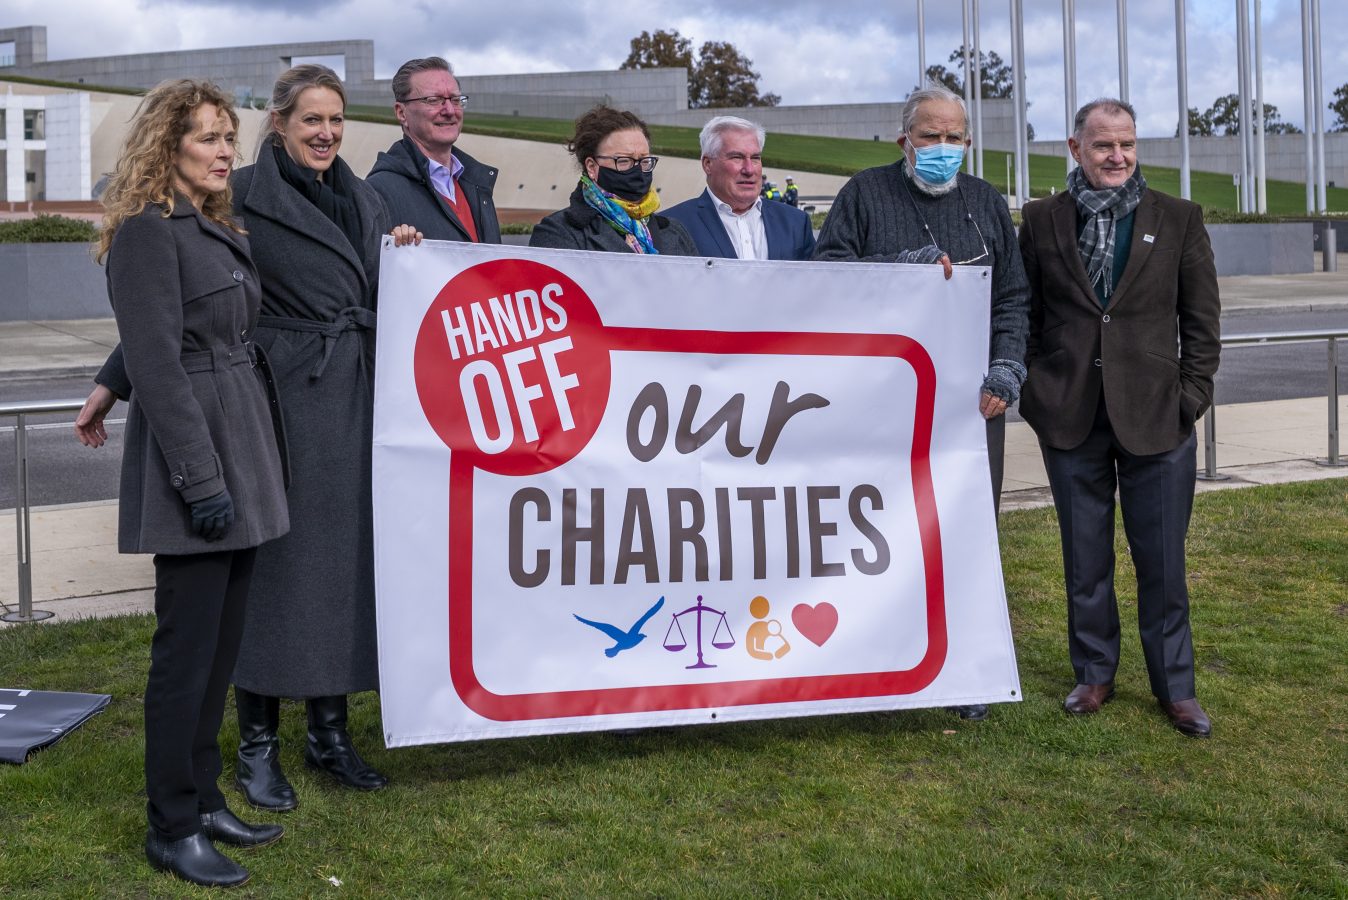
(329, 748)
(258, 772)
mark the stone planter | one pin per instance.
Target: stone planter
(43, 282)
(1279, 248)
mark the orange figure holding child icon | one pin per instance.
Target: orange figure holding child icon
(762, 635)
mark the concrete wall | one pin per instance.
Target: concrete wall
(51, 281)
(247, 71)
(864, 121)
(1284, 155)
(557, 95)
(1275, 249)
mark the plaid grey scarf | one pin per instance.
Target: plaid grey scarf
(1101, 210)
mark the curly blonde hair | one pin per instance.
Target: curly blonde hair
(145, 169)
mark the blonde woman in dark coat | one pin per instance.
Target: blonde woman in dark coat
(202, 483)
(315, 231)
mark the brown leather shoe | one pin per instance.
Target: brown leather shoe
(1188, 717)
(1086, 699)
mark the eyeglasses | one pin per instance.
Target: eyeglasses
(435, 101)
(625, 163)
(968, 217)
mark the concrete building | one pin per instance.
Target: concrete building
(44, 146)
(250, 72)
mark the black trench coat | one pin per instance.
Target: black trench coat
(311, 621)
(185, 295)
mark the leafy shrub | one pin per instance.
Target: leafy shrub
(517, 228)
(45, 229)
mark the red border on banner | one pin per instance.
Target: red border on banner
(602, 701)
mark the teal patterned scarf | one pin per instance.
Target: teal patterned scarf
(634, 231)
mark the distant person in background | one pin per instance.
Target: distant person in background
(202, 477)
(923, 204)
(424, 179)
(730, 219)
(614, 205)
(770, 192)
(1125, 337)
(792, 193)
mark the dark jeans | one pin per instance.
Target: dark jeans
(1156, 494)
(199, 604)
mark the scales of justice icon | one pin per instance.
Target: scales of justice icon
(721, 636)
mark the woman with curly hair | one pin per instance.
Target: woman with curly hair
(202, 472)
(315, 231)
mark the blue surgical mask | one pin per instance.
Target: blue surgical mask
(938, 163)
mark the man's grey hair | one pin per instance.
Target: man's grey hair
(1103, 104)
(931, 91)
(402, 81)
(712, 137)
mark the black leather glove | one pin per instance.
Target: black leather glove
(212, 517)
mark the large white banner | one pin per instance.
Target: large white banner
(613, 490)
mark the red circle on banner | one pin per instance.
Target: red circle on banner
(511, 366)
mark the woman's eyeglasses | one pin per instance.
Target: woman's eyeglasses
(625, 163)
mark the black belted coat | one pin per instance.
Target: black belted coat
(311, 624)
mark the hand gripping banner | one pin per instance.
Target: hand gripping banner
(614, 491)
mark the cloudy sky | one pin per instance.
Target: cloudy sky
(808, 52)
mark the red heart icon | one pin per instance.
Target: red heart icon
(815, 622)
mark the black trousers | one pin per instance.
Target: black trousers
(199, 604)
(996, 429)
(1156, 494)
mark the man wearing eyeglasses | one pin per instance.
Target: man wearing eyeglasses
(730, 219)
(923, 209)
(424, 179)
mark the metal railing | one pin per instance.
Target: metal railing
(23, 536)
(21, 411)
(1331, 337)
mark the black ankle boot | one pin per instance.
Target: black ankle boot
(258, 771)
(225, 827)
(195, 859)
(329, 747)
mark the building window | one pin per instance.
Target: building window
(34, 124)
(6, 53)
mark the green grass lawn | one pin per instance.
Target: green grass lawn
(845, 156)
(1029, 803)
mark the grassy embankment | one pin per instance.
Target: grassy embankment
(1029, 803)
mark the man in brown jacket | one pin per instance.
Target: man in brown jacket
(1123, 345)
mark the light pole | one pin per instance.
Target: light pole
(1182, 73)
(1069, 66)
(1121, 9)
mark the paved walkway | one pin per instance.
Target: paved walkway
(78, 573)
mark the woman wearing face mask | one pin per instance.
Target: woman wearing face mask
(315, 230)
(613, 207)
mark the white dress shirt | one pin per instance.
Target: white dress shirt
(745, 230)
(443, 176)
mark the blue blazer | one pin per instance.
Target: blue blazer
(790, 235)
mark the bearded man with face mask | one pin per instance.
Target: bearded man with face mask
(923, 209)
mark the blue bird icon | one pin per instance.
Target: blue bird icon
(624, 640)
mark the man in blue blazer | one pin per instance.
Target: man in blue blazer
(730, 219)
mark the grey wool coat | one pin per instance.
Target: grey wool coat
(185, 295)
(578, 227)
(310, 629)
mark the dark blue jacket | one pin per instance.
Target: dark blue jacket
(790, 235)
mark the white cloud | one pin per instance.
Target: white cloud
(807, 51)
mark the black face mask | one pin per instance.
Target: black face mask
(632, 185)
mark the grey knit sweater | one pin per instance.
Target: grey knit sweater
(874, 220)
